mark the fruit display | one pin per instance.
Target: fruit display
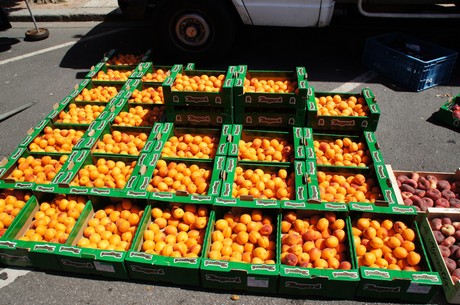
(342, 151)
(112, 75)
(139, 116)
(176, 231)
(40, 170)
(171, 176)
(386, 243)
(447, 235)
(104, 173)
(270, 149)
(269, 85)
(203, 83)
(97, 94)
(316, 241)
(76, 114)
(264, 183)
(121, 142)
(337, 105)
(11, 203)
(456, 111)
(56, 140)
(55, 219)
(244, 236)
(127, 59)
(112, 227)
(189, 145)
(158, 75)
(426, 190)
(149, 95)
(336, 187)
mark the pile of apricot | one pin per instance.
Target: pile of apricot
(317, 241)
(40, 170)
(349, 188)
(248, 237)
(176, 231)
(342, 152)
(80, 114)
(191, 146)
(119, 142)
(124, 59)
(384, 243)
(56, 140)
(265, 149)
(159, 75)
(112, 227)
(203, 83)
(148, 95)
(338, 106)
(112, 75)
(55, 219)
(11, 203)
(105, 173)
(139, 116)
(278, 185)
(172, 176)
(269, 85)
(97, 94)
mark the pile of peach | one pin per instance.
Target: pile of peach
(112, 75)
(318, 241)
(97, 94)
(54, 220)
(119, 142)
(244, 237)
(265, 149)
(39, 170)
(158, 75)
(177, 231)
(190, 146)
(342, 152)
(172, 176)
(259, 184)
(148, 95)
(384, 243)
(337, 106)
(350, 188)
(112, 227)
(124, 59)
(139, 116)
(56, 140)
(105, 173)
(269, 85)
(203, 83)
(80, 115)
(11, 203)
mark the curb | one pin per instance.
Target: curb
(57, 15)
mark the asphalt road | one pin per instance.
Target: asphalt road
(45, 72)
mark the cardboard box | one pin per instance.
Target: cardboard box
(234, 275)
(445, 115)
(149, 266)
(65, 115)
(94, 261)
(320, 282)
(13, 202)
(296, 99)
(222, 135)
(223, 98)
(402, 285)
(227, 198)
(138, 86)
(117, 113)
(270, 118)
(102, 68)
(344, 123)
(450, 288)
(114, 57)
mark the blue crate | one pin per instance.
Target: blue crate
(412, 62)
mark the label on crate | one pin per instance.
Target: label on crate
(142, 255)
(147, 270)
(74, 190)
(345, 274)
(100, 191)
(335, 206)
(258, 282)
(381, 289)
(302, 271)
(23, 185)
(294, 204)
(265, 202)
(161, 195)
(42, 188)
(343, 123)
(264, 267)
(191, 260)
(226, 201)
(425, 277)
(115, 254)
(72, 250)
(200, 198)
(104, 267)
(300, 192)
(8, 244)
(75, 264)
(402, 209)
(213, 263)
(223, 279)
(376, 156)
(362, 207)
(227, 190)
(377, 273)
(18, 153)
(136, 194)
(291, 284)
(48, 248)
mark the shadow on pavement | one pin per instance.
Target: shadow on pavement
(6, 43)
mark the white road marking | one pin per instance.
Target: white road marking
(13, 274)
(354, 83)
(59, 46)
